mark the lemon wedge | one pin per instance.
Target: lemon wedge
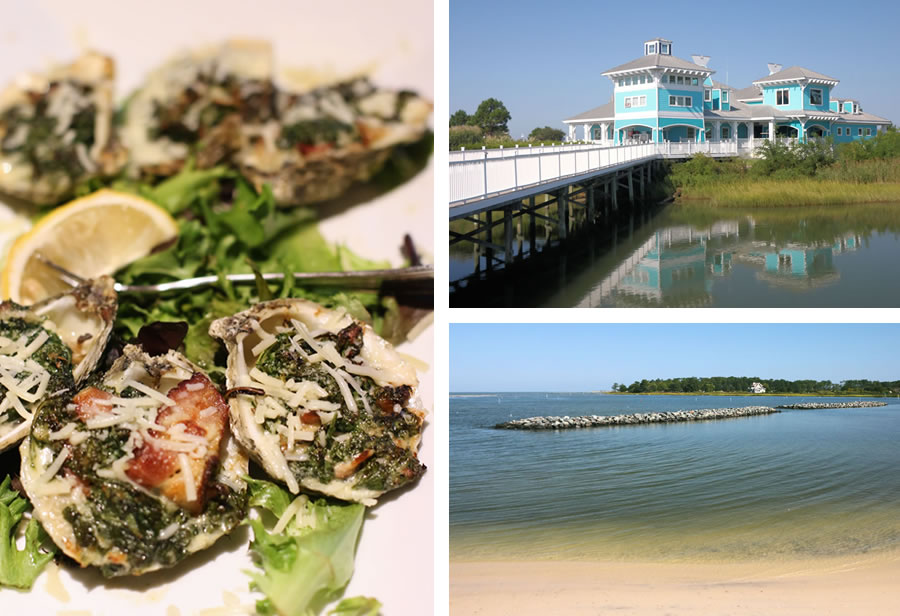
(91, 236)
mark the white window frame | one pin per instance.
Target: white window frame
(868, 132)
(691, 132)
(840, 131)
(821, 92)
(724, 96)
(681, 101)
(664, 49)
(707, 95)
(859, 131)
(855, 107)
(695, 81)
(651, 48)
(726, 132)
(785, 98)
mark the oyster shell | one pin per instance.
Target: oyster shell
(308, 143)
(320, 401)
(138, 471)
(48, 348)
(56, 130)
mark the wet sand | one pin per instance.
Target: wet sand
(867, 584)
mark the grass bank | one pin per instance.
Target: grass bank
(753, 192)
(808, 174)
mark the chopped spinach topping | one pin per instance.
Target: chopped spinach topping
(312, 132)
(370, 439)
(54, 356)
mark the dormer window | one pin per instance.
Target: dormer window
(651, 49)
(665, 49)
(855, 108)
(724, 96)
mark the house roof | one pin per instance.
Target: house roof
(659, 61)
(795, 72)
(603, 112)
(748, 93)
(721, 86)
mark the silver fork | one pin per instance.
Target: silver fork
(415, 280)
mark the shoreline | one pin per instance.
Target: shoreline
(859, 584)
(738, 393)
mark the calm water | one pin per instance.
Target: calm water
(795, 484)
(690, 256)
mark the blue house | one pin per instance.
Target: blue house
(659, 97)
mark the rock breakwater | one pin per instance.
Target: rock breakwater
(592, 421)
(832, 405)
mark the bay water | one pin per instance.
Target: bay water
(797, 484)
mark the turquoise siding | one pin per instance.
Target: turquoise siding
(824, 106)
(678, 128)
(742, 131)
(848, 107)
(697, 100)
(833, 106)
(716, 99)
(854, 132)
(650, 93)
(795, 100)
(726, 105)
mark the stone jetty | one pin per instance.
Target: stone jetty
(591, 421)
(832, 405)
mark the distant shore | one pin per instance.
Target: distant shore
(738, 393)
(864, 584)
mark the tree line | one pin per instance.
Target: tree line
(742, 384)
(489, 126)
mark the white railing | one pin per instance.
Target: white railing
(477, 174)
(501, 152)
(490, 175)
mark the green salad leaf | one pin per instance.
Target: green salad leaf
(308, 564)
(19, 568)
(356, 606)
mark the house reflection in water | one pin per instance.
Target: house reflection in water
(678, 265)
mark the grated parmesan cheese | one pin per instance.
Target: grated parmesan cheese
(190, 486)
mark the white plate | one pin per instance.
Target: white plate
(394, 41)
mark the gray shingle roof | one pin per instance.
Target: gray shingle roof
(750, 92)
(603, 112)
(794, 72)
(658, 61)
(721, 86)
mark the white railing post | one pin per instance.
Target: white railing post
(484, 162)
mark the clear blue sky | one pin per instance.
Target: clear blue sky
(544, 59)
(590, 357)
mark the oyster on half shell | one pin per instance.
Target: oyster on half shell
(137, 470)
(48, 348)
(320, 401)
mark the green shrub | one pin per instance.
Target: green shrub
(465, 137)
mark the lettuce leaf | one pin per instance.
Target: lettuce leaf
(307, 565)
(356, 606)
(19, 568)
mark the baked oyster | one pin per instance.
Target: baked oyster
(221, 104)
(56, 130)
(320, 401)
(47, 349)
(137, 470)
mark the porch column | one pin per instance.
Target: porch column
(717, 129)
(571, 132)
(772, 130)
(801, 134)
(734, 131)
(604, 128)
(587, 133)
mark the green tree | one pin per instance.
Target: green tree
(492, 116)
(547, 134)
(460, 118)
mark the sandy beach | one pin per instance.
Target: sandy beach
(868, 584)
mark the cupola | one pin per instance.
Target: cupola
(658, 46)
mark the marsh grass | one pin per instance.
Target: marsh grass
(753, 192)
(804, 175)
